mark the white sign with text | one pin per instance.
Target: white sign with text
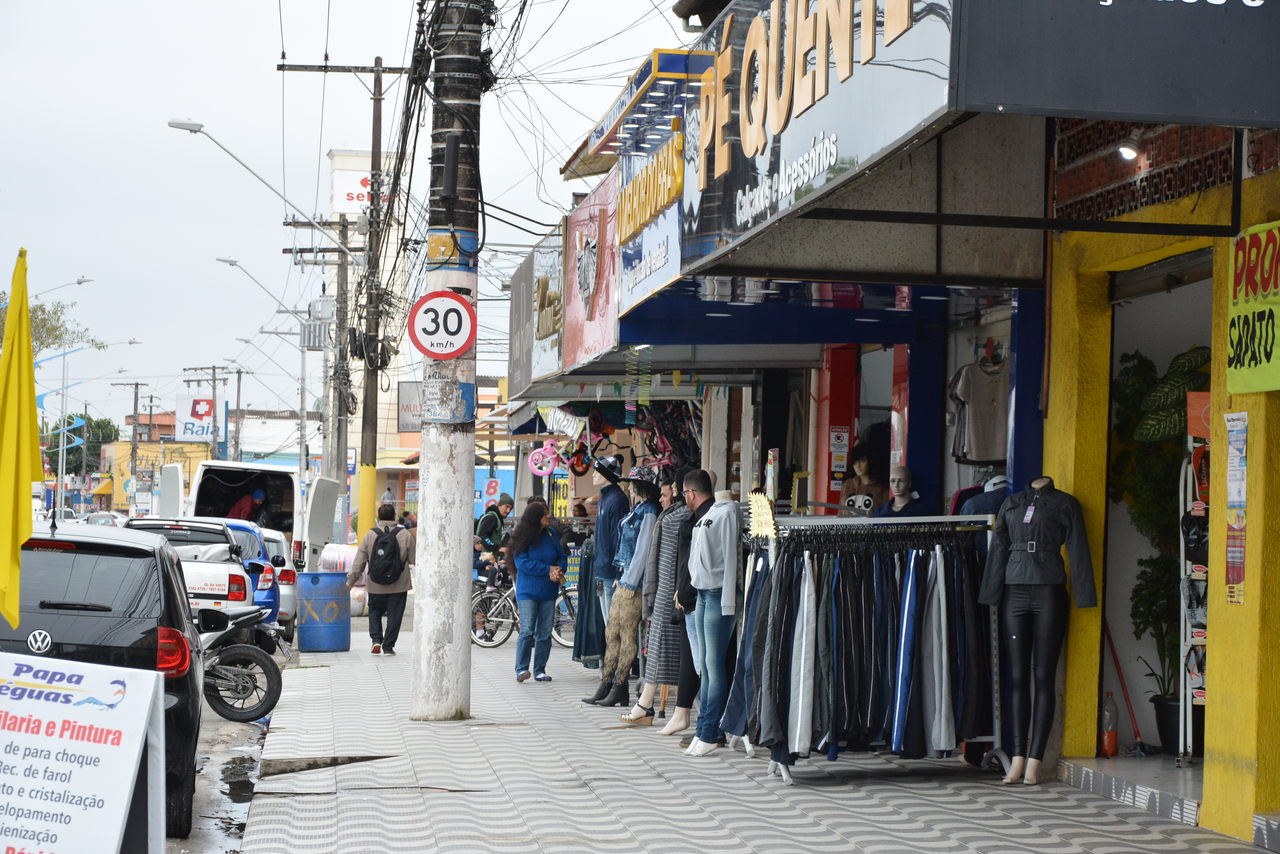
(71, 735)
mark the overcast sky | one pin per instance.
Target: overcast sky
(93, 183)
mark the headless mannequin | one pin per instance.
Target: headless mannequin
(1034, 618)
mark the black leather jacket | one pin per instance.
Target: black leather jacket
(1030, 552)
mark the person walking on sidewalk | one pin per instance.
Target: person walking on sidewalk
(387, 550)
(540, 561)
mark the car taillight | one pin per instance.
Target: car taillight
(288, 576)
(173, 653)
(266, 579)
(299, 555)
(235, 589)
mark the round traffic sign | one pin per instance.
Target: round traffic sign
(442, 325)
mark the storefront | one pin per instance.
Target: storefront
(950, 188)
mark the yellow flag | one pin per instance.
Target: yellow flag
(19, 440)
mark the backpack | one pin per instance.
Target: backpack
(385, 564)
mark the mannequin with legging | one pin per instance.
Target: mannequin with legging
(1026, 577)
(627, 606)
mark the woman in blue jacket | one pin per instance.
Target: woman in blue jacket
(540, 561)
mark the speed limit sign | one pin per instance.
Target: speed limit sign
(442, 325)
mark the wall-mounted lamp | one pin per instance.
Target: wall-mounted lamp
(1131, 145)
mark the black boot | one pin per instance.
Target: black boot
(605, 687)
(619, 696)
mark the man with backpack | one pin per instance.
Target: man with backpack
(387, 551)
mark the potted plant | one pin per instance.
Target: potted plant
(1147, 449)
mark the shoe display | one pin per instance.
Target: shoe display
(377, 649)
(523, 675)
(542, 677)
(638, 716)
(619, 695)
(602, 691)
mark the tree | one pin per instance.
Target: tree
(51, 326)
(96, 432)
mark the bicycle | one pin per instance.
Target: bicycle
(495, 615)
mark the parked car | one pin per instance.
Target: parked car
(209, 559)
(258, 563)
(105, 517)
(286, 576)
(116, 597)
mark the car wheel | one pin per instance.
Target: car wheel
(288, 629)
(178, 806)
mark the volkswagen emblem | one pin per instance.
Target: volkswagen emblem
(39, 642)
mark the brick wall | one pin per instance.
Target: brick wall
(1092, 181)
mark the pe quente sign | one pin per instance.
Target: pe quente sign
(71, 735)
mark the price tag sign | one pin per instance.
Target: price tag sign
(442, 325)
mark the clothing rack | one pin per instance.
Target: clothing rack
(925, 524)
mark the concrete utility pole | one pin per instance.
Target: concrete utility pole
(368, 470)
(441, 687)
(239, 413)
(133, 435)
(341, 391)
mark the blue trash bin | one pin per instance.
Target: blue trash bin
(324, 612)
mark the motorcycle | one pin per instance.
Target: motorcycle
(241, 680)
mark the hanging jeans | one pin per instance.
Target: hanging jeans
(535, 634)
(714, 631)
(737, 707)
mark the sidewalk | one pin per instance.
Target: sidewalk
(536, 770)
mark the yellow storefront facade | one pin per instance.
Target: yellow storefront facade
(1242, 745)
(151, 456)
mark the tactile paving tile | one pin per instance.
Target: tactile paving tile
(537, 770)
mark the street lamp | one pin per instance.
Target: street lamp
(234, 263)
(62, 419)
(81, 280)
(196, 127)
(302, 402)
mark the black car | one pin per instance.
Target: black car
(111, 596)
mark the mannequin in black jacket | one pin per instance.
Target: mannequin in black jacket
(1026, 577)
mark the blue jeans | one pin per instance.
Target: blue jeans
(535, 634)
(605, 591)
(714, 630)
(691, 628)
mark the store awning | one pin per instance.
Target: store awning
(107, 487)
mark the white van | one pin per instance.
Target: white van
(218, 485)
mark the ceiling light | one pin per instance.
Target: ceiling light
(866, 320)
(648, 104)
(631, 125)
(653, 136)
(1130, 146)
(718, 314)
(943, 299)
(664, 82)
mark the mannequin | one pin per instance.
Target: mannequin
(662, 661)
(613, 506)
(1026, 577)
(904, 502)
(635, 535)
(862, 492)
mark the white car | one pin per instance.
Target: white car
(286, 576)
(105, 517)
(210, 560)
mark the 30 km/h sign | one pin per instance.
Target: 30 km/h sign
(442, 325)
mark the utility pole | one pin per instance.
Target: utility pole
(133, 435)
(239, 412)
(441, 685)
(368, 470)
(341, 391)
(213, 383)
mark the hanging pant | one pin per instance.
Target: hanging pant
(803, 648)
(737, 707)
(1034, 625)
(907, 628)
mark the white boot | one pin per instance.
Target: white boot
(693, 745)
